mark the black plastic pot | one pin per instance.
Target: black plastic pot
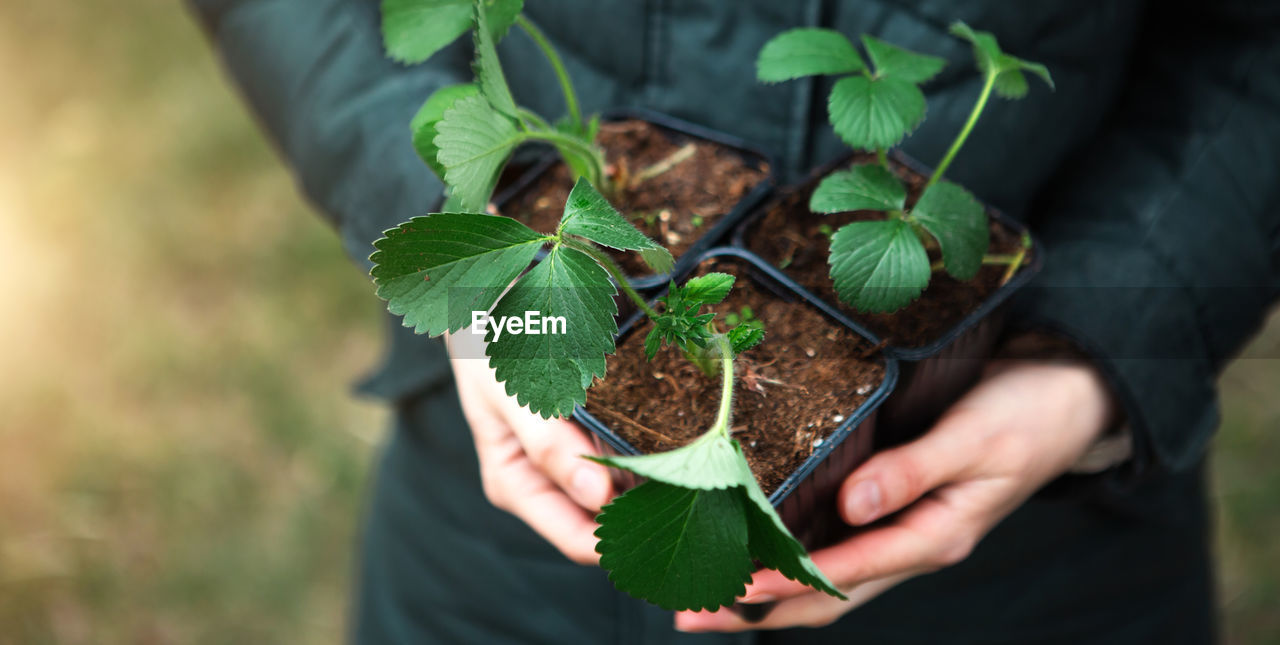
(715, 234)
(816, 482)
(936, 374)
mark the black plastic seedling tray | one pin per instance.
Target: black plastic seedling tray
(936, 374)
(717, 232)
(818, 478)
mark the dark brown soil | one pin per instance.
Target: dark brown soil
(793, 389)
(789, 237)
(674, 208)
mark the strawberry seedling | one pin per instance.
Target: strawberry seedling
(883, 264)
(691, 535)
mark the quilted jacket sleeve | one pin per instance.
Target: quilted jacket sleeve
(315, 75)
(1164, 238)
(338, 110)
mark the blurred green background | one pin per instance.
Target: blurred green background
(180, 460)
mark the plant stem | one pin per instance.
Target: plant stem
(882, 157)
(612, 267)
(566, 85)
(583, 147)
(1017, 260)
(978, 107)
(537, 121)
(726, 391)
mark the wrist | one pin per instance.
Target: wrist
(1111, 442)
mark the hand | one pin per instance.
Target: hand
(529, 466)
(1024, 424)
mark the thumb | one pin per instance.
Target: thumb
(895, 478)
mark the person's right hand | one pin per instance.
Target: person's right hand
(532, 467)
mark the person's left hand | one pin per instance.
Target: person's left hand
(1022, 425)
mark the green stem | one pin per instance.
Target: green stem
(537, 121)
(882, 157)
(566, 85)
(978, 107)
(612, 267)
(726, 392)
(1018, 259)
(591, 152)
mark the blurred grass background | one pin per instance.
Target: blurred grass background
(180, 461)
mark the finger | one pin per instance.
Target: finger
(512, 483)
(813, 609)
(561, 522)
(893, 479)
(556, 448)
(927, 537)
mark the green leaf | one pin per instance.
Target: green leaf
(1038, 70)
(874, 113)
(451, 204)
(986, 51)
(588, 214)
(955, 218)
(744, 337)
(424, 122)
(487, 67)
(712, 461)
(474, 143)
(878, 266)
(862, 187)
(806, 52)
(652, 343)
(550, 372)
(892, 61)
(775, 548)
(1010, 82)
(593, 128)
(675, 547)
(436, 270)
(708, 289)
(502, 14)
(414, 30)
(580, 165)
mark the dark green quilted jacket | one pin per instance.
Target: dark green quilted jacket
(1152, 175)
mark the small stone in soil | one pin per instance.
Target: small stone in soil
(837, 418)
(809, 352)
(817, 442)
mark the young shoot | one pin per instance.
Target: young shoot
(689, 537)
(883, 265)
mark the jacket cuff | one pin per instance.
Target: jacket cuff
(1118, 304)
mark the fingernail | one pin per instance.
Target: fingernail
(589, 484)
(863, 503)
(755, 599)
